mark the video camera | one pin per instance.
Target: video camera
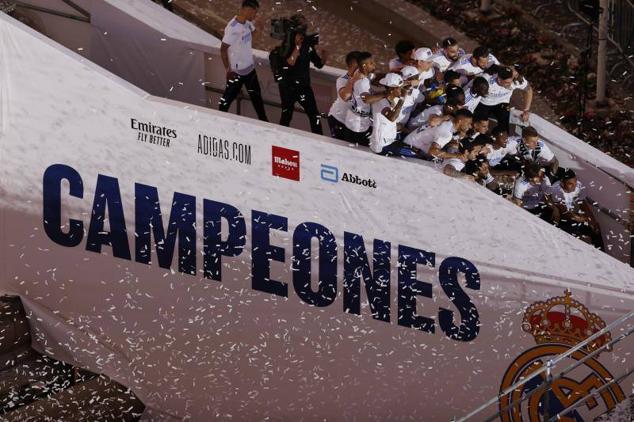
(284, 29)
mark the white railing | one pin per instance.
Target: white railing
(545, 387)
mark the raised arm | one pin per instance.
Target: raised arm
(392, 113)
(372, 98)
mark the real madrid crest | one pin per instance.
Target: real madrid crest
(557, 325)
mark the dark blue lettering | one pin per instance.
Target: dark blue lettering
(377, 283)
(263, 252)
(108, 201)
(409, 287)
(149, 221)
(52, 200)
(327, 285)
(448, 274)
(214, 248)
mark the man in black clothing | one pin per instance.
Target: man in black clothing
(291, 68)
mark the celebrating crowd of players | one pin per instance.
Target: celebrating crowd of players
(454, 108)
(443, 105)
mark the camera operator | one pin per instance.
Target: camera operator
(290, 63)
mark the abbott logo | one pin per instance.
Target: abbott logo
(285, 163)
(329, 173)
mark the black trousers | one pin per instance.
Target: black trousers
(580, 230)
(543, 211)
(499, 112)
(250, 81)
(168, 5)
(337, 129)
(302, 94)
(361, 138)
(509, 163)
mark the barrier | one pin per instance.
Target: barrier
(206, 261)
(171, 58)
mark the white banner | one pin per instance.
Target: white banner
(226, 268)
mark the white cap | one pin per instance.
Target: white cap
(392, 80)
(409, 71)
(422, 54)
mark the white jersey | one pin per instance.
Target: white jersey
(424, 137)
(423, 117)
(530, 195)
(541, 154)
(464, 66)
(340, 107)
(499, 94)
(569, 199)
(471, 100)
(383, 130)
(410, 103)
(423, 76)
(456, 163)
(238, 37)
(358, 116)
(495, 156)
(441, 62)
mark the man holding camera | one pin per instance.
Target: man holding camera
(291, 68)
(237, 56)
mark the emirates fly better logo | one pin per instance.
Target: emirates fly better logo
(285, 163)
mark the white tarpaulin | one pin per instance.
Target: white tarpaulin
(226, 268)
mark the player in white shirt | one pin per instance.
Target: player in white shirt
(432, 140)
(451, 78)
(502, 153)
(424, 64)
(385, 113)
(404, 50)
(478, 168)
(474, 92)
(473, 166)
(447, 55)
(479, 127)
(532, 149)
(501, 87)
(344, 85)
(573, 210)
(413, 97)
(434, 115)
(530, 192)
(359, 115)
(237, 57)
(472, 65)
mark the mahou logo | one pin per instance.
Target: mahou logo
(285, 163)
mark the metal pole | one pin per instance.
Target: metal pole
(602, 52)
(485, 6)
(549, 382)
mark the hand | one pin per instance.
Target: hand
(231, 75)
(299, 39)
(525, 115)
(357, 75)
(435, 120)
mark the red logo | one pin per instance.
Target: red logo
(286, 163)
